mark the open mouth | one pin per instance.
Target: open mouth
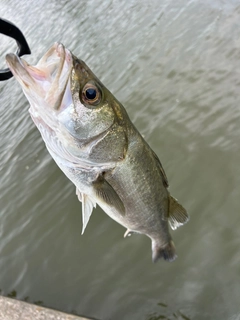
(48, 79)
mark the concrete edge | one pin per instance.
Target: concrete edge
(12, 309)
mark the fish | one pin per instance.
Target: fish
(90, 136)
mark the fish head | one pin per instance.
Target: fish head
(93, 103)
(68, 102)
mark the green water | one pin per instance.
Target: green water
(175, 66)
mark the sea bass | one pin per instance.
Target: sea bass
(91, 138)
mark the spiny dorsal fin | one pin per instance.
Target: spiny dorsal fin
(105, 193)
(177, 214)
(160, 167)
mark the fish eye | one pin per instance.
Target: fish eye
(91, 95)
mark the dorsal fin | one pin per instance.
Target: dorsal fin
(177, 215)
(160, 167)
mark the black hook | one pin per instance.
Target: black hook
(9, 29)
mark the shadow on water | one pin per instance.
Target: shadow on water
(164, 313)
(13, 295)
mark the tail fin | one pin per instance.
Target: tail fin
(167, 252)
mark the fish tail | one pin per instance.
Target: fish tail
(166, 252)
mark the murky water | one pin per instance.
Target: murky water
(175, 66)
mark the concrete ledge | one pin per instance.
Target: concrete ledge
(12, 309)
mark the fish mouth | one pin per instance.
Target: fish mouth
(47, 81)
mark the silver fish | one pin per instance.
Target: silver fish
(91, 138)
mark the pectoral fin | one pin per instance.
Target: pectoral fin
(177, 214)
(105, 193)
(87, 207)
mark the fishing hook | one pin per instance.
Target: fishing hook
(9, 29)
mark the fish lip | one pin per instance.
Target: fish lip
(53, 69)
(17, 67)
(58, 86)
(14, 61)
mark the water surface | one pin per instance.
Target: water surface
(175, 67)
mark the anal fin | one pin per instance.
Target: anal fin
(128, 233)
(177, 214)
